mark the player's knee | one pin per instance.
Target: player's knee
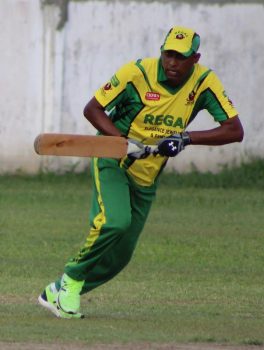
(120, 224)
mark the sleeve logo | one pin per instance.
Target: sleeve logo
(114, 81)
(229, 101)
(108, 86)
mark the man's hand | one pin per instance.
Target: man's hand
(173, 145)
(136, 150)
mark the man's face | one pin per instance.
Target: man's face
(176, 66)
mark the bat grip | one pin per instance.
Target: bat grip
(136, 147)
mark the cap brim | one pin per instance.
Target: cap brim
(181, 50)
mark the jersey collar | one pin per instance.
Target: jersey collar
(162, 79)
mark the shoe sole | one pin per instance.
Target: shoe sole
(56, 312)
(48, 306)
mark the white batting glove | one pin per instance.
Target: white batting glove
(136, 149)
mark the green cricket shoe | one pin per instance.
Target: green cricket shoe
(48, 299)
(69, 298)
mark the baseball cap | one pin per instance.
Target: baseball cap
(183, 40)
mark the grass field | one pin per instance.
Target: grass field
(197, 274)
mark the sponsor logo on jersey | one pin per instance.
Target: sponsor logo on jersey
(108, 86)
(164, 119)
(152, 96)
(229, 101)
(190, 98)
(114, 81)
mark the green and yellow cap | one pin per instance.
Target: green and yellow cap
(183, 40)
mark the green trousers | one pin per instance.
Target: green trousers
(119, 211)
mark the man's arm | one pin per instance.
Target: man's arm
(229, 131)
(95, 114)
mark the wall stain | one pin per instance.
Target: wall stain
(64, 4)
(208, 2)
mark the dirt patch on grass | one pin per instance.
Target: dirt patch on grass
(15, 299)
(141, 346)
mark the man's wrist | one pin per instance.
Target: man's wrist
(186, 138)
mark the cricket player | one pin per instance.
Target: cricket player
(151, 101)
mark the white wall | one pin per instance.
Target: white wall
(47, 75)
(20, 83)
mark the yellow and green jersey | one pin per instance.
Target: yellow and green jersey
(145, 108)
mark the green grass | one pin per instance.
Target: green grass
(196, 276)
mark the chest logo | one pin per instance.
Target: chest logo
(190, 99)
(152, 96)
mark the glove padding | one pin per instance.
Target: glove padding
(173, 145)
(143, 151)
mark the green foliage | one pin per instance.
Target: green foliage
(196, 276)
(245, 176)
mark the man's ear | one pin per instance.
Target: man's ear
(196, 57)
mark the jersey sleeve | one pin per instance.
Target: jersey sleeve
(113, 92)
(216, 100)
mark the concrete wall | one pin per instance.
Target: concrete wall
(48, 74)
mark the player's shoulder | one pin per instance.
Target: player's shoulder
(148, 66)
(128, 66)
(201, 69)
(134, 68)
(209, 76)
(133, 65)
(147, 62)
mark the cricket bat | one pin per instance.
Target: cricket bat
(74, 145)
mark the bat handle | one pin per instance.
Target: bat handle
(136, 147)
(152, 148)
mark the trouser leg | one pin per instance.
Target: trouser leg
(110, 217)
(118, 214)
(113, 261)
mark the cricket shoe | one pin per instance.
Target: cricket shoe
(48, 299)
(69, 298)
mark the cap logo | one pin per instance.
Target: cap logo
(180, 36)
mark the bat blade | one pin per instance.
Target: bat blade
(80, 145)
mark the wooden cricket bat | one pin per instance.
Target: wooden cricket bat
(83, 145)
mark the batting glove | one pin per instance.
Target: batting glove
(136, 150)
(173, 145)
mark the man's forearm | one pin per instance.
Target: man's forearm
(103, 124)
(230, 131)
(95, 114)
